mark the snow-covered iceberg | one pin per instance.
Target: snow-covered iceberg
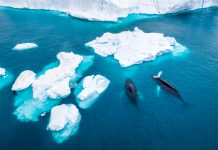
(50, 86)
(110, 10)
(89, 89)
(5, 78)
(134, 47)
(55, 82)
(25, 46)
(24, 80)
(64, 121)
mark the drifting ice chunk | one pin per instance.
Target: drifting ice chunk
(134, 47)
(89, 89)
(25, 46)
(64, 121)
(5, 78)
(2, 72)
(50, 86)
(24, 80)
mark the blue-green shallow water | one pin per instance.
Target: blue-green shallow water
(159, 121)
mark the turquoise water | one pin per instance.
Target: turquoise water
(159, 121)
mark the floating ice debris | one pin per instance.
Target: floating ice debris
(5, 78)
(2, 72)
(50, 86)
(43, 114)
(64, 121)
(24, 80)
(110, 10)
(89, 89)
(134, 47)
(25, 46)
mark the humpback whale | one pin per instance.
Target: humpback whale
(165, 84)
(130, 90)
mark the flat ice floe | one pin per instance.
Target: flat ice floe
(25, 46)
(50, 86)
(134, 47)
(89, 89)
(24, 80)
(5, 78)
(64, 121)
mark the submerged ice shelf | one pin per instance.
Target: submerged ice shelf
(110, 10)
(89, 90)
(134, 47)
(49, 86)
(64, 121)
(25, 46)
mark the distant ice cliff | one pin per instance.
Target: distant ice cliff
(110, 10)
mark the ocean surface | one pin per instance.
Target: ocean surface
(159, 121)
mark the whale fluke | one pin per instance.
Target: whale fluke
(158, 75)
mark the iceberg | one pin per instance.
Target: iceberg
(134, 47)
(55, 81)
(64, 121)
(25, 46)
(110, 10)
(89, 89)
(24, 80)
(49, 86)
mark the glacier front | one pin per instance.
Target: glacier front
(110, 10)
(134, 47)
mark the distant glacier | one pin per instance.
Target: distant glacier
(110, 10)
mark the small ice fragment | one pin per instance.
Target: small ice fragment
(25, 46)
(2, 72)
(43, 114)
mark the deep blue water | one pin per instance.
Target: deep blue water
(160, 121)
